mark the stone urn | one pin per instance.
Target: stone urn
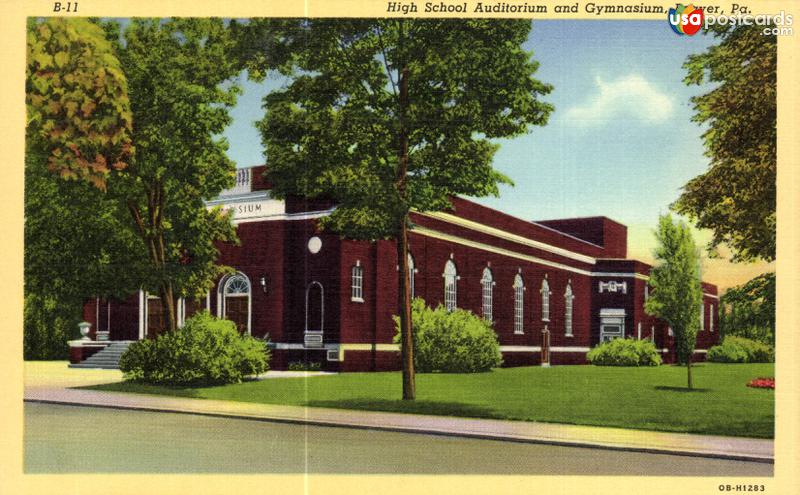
(85, 326)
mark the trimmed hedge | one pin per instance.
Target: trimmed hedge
(740, 350)
(205, 351)
(625, 352)
(451, 341)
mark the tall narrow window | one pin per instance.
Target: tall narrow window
(487, 284)
(357, 283)
(568, 297)
(702, 317)
(545, 300)
(411, 271)
(711, 318)
(450, 278)
(519, 301)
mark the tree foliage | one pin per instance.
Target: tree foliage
(735, 197)
(178, 74)
(749, 309)
(163, 84)
(388, 116)
(676, 294)
(77, 99)
(76, 244)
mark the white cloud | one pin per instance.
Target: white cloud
(630, 97)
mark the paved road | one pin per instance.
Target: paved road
(70, 439)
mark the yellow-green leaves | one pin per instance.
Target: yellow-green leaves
(77, 99)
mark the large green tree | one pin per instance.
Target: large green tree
(92, 93)
(78, 126)
(386, 116)
(735, 197)
(178, 74)
(676, 294)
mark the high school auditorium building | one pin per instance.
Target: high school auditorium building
(552, 289)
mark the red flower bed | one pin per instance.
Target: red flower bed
(766, 382)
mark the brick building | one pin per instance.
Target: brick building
(560, 286)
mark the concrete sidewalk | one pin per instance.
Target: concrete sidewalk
(55, 388)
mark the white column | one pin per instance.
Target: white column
(142, 313)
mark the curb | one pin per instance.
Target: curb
(425, 431)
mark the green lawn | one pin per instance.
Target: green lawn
(641, 398)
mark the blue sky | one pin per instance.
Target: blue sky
(620, 142)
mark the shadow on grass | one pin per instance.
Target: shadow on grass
(681, 389)
(436, 408)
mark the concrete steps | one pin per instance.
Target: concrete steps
(108, 358)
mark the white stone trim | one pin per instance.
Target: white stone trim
(308, 215)
(639, 276)
(485, 247)
(570, 349)
(485, 229)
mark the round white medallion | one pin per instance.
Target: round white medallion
(314, 244)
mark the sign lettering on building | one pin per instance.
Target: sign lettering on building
(613, 286)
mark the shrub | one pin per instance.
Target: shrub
(625, 352)
(205, 351)
(740, 350)
(451, 341)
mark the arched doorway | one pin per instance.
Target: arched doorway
(315, 314)
(235, 301)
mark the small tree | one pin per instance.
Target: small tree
(677, 294)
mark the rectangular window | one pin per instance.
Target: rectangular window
(450, 293)
(357, 286)
(702, 317)
(711, 318)
(487, 300)
(519, 300)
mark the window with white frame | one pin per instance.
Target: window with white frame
(235, 300)
(519, 301)
(568, 297)
(450, 276)
(411, 271)
(711, 318)
(545, 300)
(702, 317)
(357, 283)
(646, 292)
(487, 287)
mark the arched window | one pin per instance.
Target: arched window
(519, 301)
(450, 278)
(234, 301)
(357, 283)
(545, 300)
(487, 284)
(568, 297)
(411, 271)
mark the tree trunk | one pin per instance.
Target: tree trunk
(404, 305)
(167, 295)
(689, 372)
(404, 292)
